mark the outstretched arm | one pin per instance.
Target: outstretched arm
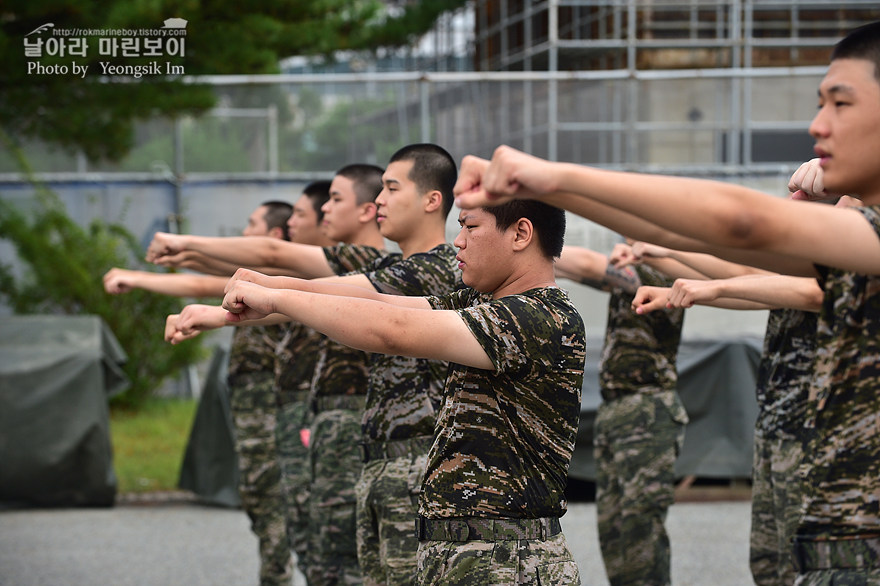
(597, 270)
(745, 292)
(358, 280)
(304, 260)
(118, 281)
(651, 298)
(701, 265)
(721, 214)
(196, 318)
(367, 324)
(770, 291)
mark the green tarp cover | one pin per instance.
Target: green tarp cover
(210, 465)
(56, 375)
(716, 382)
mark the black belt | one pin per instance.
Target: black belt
(820, 553)
(399, 448)
(485, 529)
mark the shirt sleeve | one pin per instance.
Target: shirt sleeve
(511, 330)
(419, 274)
(351, 258)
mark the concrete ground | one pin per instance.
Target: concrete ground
(177, 541)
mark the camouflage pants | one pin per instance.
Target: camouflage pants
(335, 462)
(776, 509)
(252, 403)
(293, 460)
(526, 562)
(387, 506)
(638, 438)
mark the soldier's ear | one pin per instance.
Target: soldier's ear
(433, 201)
(524, 232)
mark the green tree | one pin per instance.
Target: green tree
(63, 262)
(61, 271)
(96, 115)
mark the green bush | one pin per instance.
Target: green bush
(62, 269)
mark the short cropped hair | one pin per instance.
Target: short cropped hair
(366, 180)
(861, 43)
(318, 193)
(433, 168)
(276, 216)
(548, 221)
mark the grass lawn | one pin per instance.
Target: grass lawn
(148, 444)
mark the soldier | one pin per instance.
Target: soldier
(783, 382)
(250, 381)
(404, 393)
(498, 464)
(411, 212)
(837, 536)
(639, 428)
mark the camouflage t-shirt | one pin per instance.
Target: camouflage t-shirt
(843, 457)
(404, 393)
(640, 351)
(340, 369)
(352, 258)
(296, 359)
(505, 437)
(785, 373)
(253, 350)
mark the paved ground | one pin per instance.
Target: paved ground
(180, 542)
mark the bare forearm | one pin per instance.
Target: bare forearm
(173, 284)
(776, 291)
(726, 217)
(672, 268)
(357, 285)
(302, 260)
(203, 263)
(239, 250)
(638, 228)
(713, 267)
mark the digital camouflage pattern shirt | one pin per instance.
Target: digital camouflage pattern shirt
(640, 351)
(843, 457)
(785, 373)
(404, 393)
(253, 350)
(505, 437)
(296, 359)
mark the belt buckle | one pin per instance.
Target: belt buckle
(457, 530)
(420, 528)
(365, 456)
